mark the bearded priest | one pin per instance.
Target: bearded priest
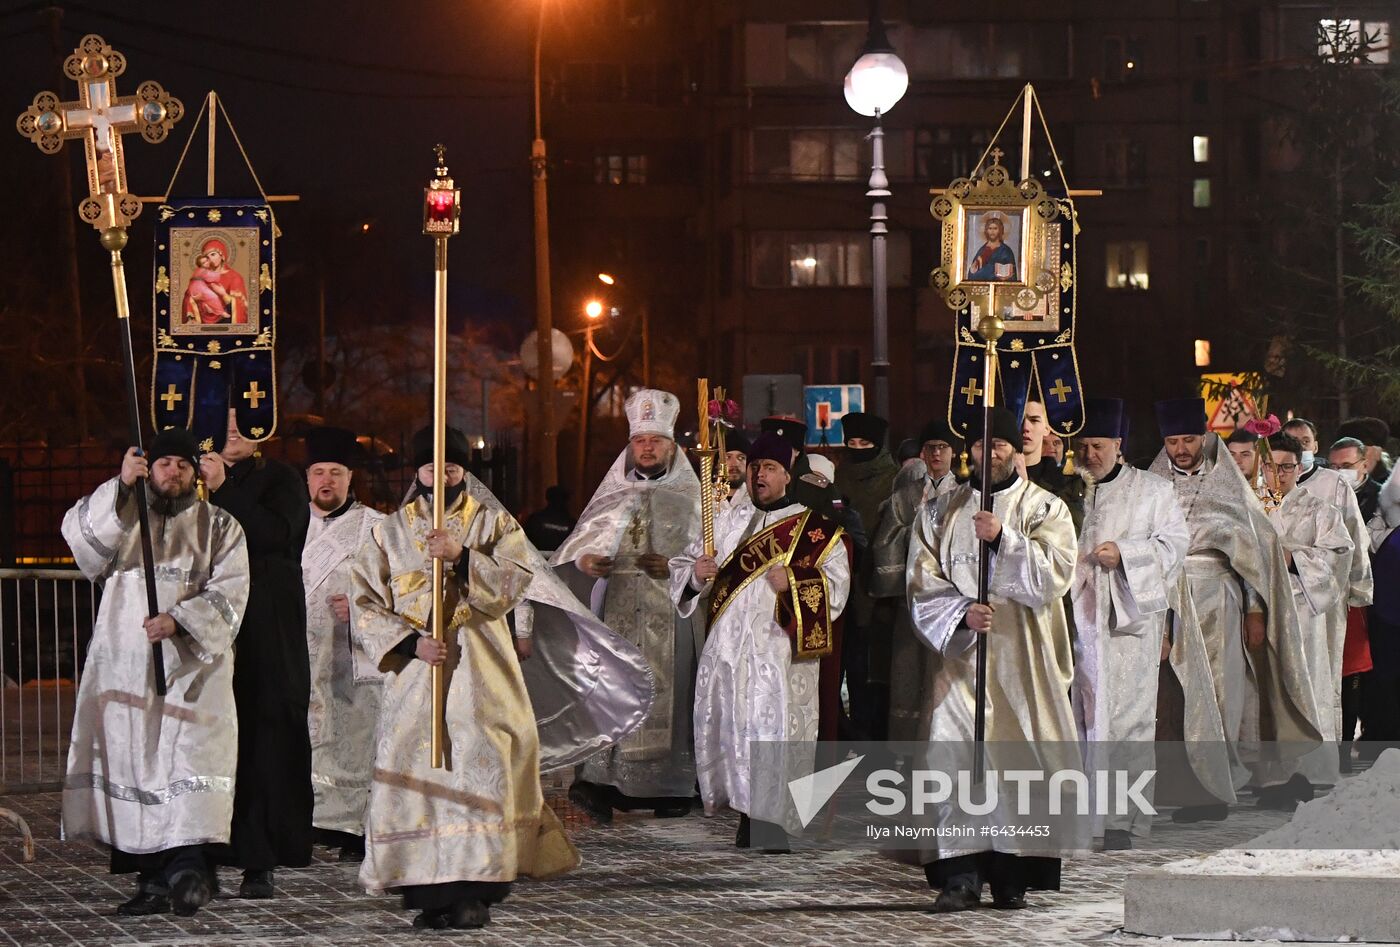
(345, 684)
(616, 562)
(777, 582)
(1029, 664)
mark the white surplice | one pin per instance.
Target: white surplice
(345, 684)
(747, 685)
(1120, 619)
(148, 773)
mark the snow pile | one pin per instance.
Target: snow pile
(1353, 830)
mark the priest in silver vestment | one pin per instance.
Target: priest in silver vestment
(345, 684)
(452, 840)
(644, 512)
(1028, 714)
(1131, 548)
(1239, 587)
(773, 589)
(1317, 548)
(153, 777)
(1355, 573)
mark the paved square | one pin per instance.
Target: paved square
(643, 881)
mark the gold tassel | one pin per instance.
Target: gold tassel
(1069, 463)
(963, 471)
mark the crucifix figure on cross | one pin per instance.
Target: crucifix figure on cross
(100, 117)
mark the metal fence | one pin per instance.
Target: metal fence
(46, 621)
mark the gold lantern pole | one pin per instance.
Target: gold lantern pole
(441, 217)
(704, 448)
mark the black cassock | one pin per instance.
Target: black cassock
(271, 671)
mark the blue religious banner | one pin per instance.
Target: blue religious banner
(1008, 250)
(214, 280)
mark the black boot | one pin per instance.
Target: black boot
(353, 850)
(189, 891)
(151, 898)
(959, 894)
(434, 920)
(468, 914)
(1117, 840)
(741, 838)
(257, 884)
(592, 799)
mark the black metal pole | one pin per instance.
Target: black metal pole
(114, 239)
(990, 329)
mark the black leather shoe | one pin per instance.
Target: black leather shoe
(145, 903)
(1014, 900)
(1117, 840)
(189, 891)
(589, 798)
(257, 885)
(957, 897)
(352, 852)
(1189, 814)
(468, 915)
(433, 920)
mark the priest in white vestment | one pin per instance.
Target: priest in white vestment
(345, 684)
(1317, 547)
(1029, 665)
(151, 776)
(1131, 549)
(616, 561)
(452, 840)
(778, 580)
(1240, 591)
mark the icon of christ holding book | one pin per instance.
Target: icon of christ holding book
(995, 261)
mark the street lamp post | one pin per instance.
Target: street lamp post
(593, 310)
(875, 83)
(547, 461)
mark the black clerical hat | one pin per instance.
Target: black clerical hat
(1177, 416)
(331, 445)
(939, 430)
(1004, 427)
(458, 451)
(789, 429)
(1103, 417)
(174, 442)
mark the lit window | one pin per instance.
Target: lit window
(1360, 41)
(619, 169)
(1200, 192)
(1126, 264)
(1200, 148)
(1202, 353)
(779, 260)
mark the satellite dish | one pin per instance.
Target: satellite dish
(563, 354)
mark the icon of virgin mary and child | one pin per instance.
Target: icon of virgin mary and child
(216, 294)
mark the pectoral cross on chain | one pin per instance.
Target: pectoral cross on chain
(100, 117)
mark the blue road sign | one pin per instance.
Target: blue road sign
(826, 405)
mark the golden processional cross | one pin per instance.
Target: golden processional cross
(100, 117)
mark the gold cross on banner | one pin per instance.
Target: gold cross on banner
(100, 117)
(171, 398)
(1061, 390)
(253, 396)
(972, 391)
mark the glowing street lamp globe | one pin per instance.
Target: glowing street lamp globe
(876, 82)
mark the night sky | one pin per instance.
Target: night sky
(339, 103)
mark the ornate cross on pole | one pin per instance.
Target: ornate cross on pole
(100, 117)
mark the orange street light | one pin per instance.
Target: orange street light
(593, 309)
(606, 279)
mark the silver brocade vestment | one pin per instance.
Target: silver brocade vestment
(1120, 621)
(628, 518)
(345, 685)
(1313, 532)
(747, 687)
(1029, 663)
(1236, 561)
(483, 817)
(147, 773)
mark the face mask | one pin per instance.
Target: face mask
(1357, 478)
(1308, 460)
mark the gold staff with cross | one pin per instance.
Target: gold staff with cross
(100, 117)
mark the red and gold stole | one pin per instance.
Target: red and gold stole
(800, 544)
